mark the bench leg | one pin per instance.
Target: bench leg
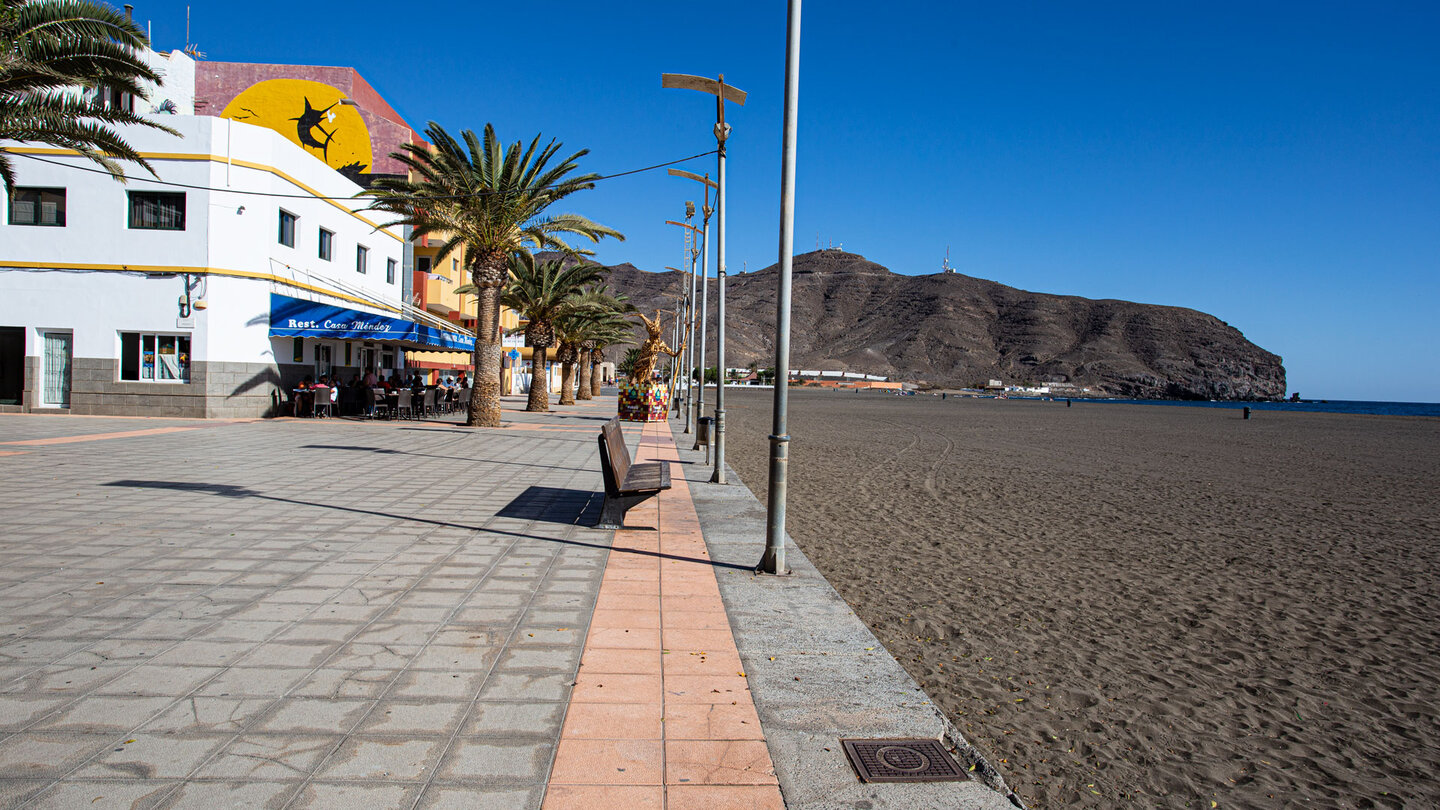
(612, 513)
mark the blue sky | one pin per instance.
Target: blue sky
(1274, 164)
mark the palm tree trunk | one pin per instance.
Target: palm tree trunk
(567, 382)
(582, 389)
(596, 358)
(485, 398)
(539, 380)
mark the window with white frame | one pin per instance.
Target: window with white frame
(287, 228)
(327, 244)
(37, 206)
(150, 357)
(362, 258)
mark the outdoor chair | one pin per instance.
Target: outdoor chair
(404, 404)
(324, 404)
(382, 404)
(428, 405)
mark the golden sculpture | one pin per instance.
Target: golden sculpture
(650, 350)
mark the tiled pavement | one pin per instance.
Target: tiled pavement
(292, 613)
(303, 613)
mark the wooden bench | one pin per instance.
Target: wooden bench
(626, 484)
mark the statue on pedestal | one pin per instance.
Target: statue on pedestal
(641, 400)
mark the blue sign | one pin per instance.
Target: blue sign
(292, 317)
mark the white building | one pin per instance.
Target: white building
(156, 298)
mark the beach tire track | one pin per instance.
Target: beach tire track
(932, 476)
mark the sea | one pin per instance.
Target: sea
(1307, 406)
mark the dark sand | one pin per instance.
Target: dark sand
(1139, 605)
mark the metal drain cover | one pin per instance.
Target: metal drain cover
(902, 761)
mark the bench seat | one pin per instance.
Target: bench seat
(626, 483)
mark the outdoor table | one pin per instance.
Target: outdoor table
(304, 400)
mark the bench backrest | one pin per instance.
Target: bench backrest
(615, 456)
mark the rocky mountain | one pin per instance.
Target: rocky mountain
(850, 314)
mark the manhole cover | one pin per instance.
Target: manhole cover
(902, 761)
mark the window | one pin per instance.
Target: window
(389, 271)
(454, 269)
(287, 228)
(154, 358)
(362, 257)
(38, 206)
(157, 210)
(327, 244)
(113, 98)
(423, 263)
(298, 351)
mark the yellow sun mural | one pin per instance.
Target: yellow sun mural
(311, 116)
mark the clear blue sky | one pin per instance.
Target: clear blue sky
(1274, 164)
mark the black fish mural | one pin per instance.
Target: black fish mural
(310, 121)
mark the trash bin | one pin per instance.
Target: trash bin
(706, 425)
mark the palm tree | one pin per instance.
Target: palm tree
(488, 203)
(49, 50)
(540, 292)
(573, 331)
(566, 331)
(607, 315)
(626, 366)
(611, 336)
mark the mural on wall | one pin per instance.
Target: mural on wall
(310, 115)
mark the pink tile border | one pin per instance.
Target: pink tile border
(660, 643)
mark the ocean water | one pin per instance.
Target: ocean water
(1309, 406)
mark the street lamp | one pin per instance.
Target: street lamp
(723, 93)
(689, 361)
(673, 360)
(773, 562)
(705, 211)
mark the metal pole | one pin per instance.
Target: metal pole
(722, 132)
(774, 560)
(723, 93)
(674, 361)
(704, 311)
(690, 351)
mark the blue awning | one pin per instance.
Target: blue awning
(292, 317)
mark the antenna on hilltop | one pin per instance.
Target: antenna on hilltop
(946, 265)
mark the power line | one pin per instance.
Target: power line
(342, 199)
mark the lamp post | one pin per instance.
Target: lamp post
(674, 363)
(723, 93)
(705, 210)
(689, 362)
(773, 562)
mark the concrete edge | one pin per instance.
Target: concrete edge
(816, 672)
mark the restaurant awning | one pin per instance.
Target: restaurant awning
(292, 317)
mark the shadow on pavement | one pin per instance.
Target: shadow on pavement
(232, 491)
(554, 505)
(387, 451)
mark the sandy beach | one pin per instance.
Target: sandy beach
(1139, 605)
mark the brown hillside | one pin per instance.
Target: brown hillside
(850, 314)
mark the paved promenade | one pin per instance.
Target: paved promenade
(324, 613)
